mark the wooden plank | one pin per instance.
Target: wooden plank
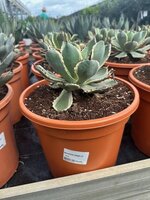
(129, 181)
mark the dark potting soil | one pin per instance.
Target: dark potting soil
(3, 92)
(128, 60)
(143, 74)
(85, 106)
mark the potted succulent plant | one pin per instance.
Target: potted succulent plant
(8, 48)
(75, 134)
(129, 50)
(140, 77)
(8, 150)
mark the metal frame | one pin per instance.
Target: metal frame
(14, 8)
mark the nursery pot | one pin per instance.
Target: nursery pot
(8, 150)
(122, 69)
(141, 118)
(16, 85)
(24, 72)
(37, 56)
(34, 71)
(73, 147)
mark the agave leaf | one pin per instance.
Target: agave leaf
(48, 75)
(3, 52)
(116, 45)
(137, 55)
(101, 52)
(144, 49)
(71, 56)
(63, 101)
(131, 46)
(90, 34)
(55, 60)
(99, 87)
(87, 50)
(86, 69)
(139, 36)
(147, 41)
(5, 78)
(74, 37)
(7, 62)
(122, 38)
(121, 55)
(2, 39)
(71, 87)
(101, 74)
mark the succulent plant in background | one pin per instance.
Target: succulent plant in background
(55, 40)
(79, 70)
(7, 55)
(102, 34)
(131, 44)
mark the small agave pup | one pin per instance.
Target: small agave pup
(79, 70)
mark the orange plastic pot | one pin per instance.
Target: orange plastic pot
(34, 71)
(37, 56)
(35, 49)
(8, 150)
(73, 147)
(16, 85)
(122, 69)
(141, 118)
(24, 73)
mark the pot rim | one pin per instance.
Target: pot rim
(78, 125)
(7, 97)
(125, 65)
(137, 82)
(33, 67)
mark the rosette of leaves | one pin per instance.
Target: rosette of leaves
(131, 44)
(79, 70)
(55, 40)
(7, 55)
(102, 34)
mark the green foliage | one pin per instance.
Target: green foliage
(38, 28)
(55, 40)
(131, 44)
(7, 55)
(102, 34)
(78, 70)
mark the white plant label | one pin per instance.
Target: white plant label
(2, 140)
(76, 157)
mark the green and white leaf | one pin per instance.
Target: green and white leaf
(63, 101)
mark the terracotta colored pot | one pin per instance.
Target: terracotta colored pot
(35, 49)
(78, 146)
(122, 69)
(24, 73)
(16, 85)
(34, 71)
(37, 56)
(141, 118)
(8, 151)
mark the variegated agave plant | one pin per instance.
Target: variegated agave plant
(55, 40)
(79, 70)
(131, 44)
(7, 55)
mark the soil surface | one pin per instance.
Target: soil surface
(85, 106)
(128, 60)
(3, 92)
(143, 74)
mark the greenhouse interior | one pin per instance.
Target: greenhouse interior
(74, 91)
